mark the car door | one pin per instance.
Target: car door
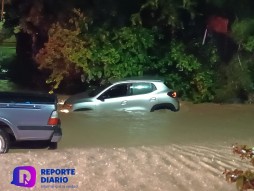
(141, 96)
(115, 98)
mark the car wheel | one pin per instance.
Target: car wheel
(83, 109)
(161, 106)
(52, 145)
(4, 142)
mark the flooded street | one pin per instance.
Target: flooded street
(195, 124)
(182, 151)
(141, 151)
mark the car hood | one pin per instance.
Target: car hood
(81, 97)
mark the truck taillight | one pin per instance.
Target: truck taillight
(172, 94)
(53, 120)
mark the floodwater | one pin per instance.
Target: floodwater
(204, 124)
(128, 151)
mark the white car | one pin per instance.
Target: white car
(128, 95)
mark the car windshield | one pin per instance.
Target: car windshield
(95, 90)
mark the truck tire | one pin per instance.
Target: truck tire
(52, 145)
(4, 142)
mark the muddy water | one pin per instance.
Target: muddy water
(187, 150)
(194, 124)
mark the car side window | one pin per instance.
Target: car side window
(120, 90)
(142, 88)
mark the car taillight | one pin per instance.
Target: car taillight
(172, 94)
(53, 120)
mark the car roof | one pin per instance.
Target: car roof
(138, 79)
(125, 81)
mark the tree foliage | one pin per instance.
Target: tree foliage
(115, 39)
(243, 33)
(185, 72)
(166, 13)
(122, 52)
(101, 54)
(57, 54)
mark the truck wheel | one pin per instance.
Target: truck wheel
(4, 142)
(52, 145)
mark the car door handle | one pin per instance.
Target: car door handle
(152, 99)
(124, 102)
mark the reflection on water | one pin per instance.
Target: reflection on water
(193, 124)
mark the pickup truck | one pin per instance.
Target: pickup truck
(28, 117)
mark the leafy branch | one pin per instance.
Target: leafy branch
(244, 179)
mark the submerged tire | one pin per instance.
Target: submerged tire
(4, 142)
(167, 106)
(83, 109)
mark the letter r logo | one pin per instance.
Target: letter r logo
(24, 176)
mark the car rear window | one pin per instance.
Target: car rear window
(142, 88)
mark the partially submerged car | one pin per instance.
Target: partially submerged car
(127, 95)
